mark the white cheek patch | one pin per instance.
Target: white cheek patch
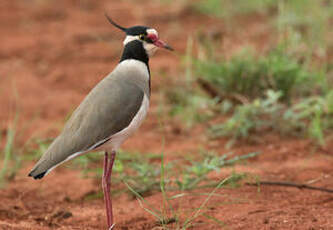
(150, 48)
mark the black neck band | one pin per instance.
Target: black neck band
(135, 50)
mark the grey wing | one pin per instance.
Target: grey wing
(99, 117)
(107, 109)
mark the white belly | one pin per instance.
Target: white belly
(118, 138)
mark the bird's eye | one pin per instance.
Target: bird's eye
(142, 37)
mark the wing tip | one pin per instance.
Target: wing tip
(38, 176)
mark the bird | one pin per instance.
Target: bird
(111, 112)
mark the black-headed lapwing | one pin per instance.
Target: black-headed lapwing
(111, 112)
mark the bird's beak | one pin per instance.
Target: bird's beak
(161, 44)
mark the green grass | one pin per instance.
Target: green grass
(308, 20)
(7, 155)
(287, 90)
(147, 173)
(313, 115)
(184, 99)
(273, 92)
(245, 77)
(144, 173)
(199, 211)
(197, 171)
(309, 117)
(11, 160)
(294, 12)
(189, 103)
(36, 147)
(162, 215)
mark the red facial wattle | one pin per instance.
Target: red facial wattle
(159, 43)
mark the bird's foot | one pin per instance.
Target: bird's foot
(111, 227)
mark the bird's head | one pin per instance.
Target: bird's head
(148, 36)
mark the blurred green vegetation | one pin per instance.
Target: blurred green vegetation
(311, 20)
(287, 90)
(227, 8)
(7, 153)
(11, 160)
(294, 11)
(249, 77)
(309, 117)
(306, 19)
(273, 92)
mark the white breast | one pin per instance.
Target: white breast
(118, 138)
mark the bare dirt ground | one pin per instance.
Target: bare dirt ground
(53, 52)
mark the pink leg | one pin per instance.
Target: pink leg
(106, 184)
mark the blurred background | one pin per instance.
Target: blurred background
(246, 97)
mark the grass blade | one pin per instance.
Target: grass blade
(141, 200)
(196, 214)
(7, 153)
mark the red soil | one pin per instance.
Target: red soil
(53, 52)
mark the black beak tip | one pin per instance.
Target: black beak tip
(169, 48)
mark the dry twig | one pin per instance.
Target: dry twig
(291, 184)
(213, 92)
